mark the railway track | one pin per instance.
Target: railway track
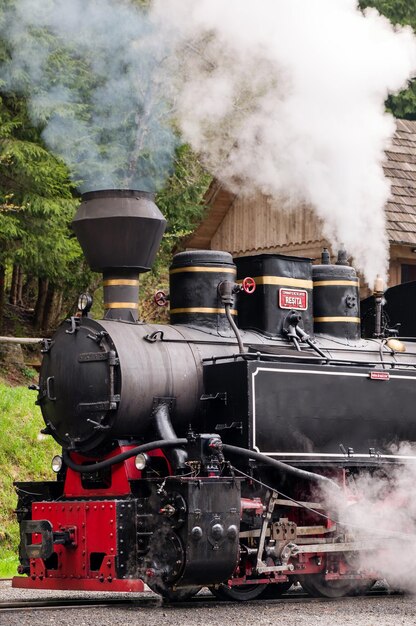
(155, 601)
(74, 603)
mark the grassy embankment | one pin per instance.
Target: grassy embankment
(24, 455)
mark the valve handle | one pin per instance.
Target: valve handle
(249, 285)
(160, 298)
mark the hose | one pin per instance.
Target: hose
(146, 447)
(283, 467)
(173, 443)
(234, 328)
(164, 429)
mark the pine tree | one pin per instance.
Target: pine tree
(401, 12)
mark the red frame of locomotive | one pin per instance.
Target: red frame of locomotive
(92, 525)
(89, 516)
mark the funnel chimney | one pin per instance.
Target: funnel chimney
(119, 232)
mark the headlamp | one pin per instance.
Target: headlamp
(141, 461)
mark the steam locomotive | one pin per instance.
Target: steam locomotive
(209, 451)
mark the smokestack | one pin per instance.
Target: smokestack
(119, 232)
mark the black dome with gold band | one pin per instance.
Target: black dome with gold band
(194, 279)
(336, 301)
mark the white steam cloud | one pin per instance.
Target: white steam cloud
(104, 102)
(382, 516)
(284, 97)
(288, 98)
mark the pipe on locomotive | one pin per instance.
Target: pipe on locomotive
(172, 443)
(284, 467)
(163, 444)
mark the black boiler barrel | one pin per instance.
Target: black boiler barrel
(100, 382)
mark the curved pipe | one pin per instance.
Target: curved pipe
(283, 467)
(163, 425)
(146, 447)
(173, 443)
(234, 328)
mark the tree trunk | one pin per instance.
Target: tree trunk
(43, 284)
(2, 287)
(14, 285)
(29, 291)
(52, 308)
(19, 290)
(58, 308)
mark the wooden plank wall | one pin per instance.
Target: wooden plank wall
(260, 223)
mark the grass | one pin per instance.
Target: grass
(8, 563)
(24, 455)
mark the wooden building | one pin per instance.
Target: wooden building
(255, 225)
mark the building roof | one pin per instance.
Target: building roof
(218, 201)
(400, 168)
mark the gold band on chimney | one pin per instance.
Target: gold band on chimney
(121, 305)
(120, 282)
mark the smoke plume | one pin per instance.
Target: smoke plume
(382, 516)
(288, 98)
(94, 71)
(283, 97)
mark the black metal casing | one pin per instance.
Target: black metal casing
(119, 228)
(99, 379)
(120, 232)
(200, 544)
(194, 278)
(273, 273)
(398, 311)
(336, 301)
(295, 411)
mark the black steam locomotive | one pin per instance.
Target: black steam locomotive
(203, 452)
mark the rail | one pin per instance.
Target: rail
(296, 595)
(21, 340)
(267, 356)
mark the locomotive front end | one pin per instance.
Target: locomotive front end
(80, 380)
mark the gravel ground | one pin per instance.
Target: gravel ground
(388, 610)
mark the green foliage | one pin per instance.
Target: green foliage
(181, 199)
(100, 100)
(36, 198)
(23, 456)
(399, 12)
(181, 202)
(8, 563)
